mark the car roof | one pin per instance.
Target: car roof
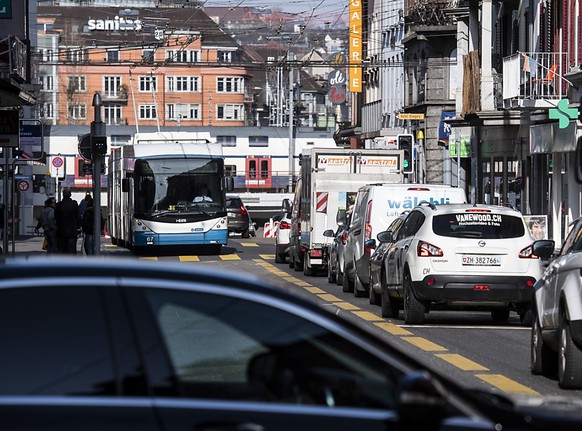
(451, 208)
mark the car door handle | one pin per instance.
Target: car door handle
(229, 426)
(357, 231)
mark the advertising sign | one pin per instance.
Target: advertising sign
(355, 46)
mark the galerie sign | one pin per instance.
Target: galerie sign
(355, 46)
(115, 24)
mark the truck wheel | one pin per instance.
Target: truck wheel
(307, 270)
(279, 258)
(339, 276)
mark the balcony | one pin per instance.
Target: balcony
(114, 96)
(534, 80)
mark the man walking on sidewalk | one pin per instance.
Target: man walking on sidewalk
(68, 223)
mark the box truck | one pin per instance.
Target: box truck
(328, 182)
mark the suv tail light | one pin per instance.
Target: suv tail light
(284, 225)
(344, 238)
(527, 253)
(243, 209)
(368, 226)
(425, 249)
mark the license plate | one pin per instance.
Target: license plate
(470, 260)
(230, 214)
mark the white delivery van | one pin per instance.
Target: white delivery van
(375, 208)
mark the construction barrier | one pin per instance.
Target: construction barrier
(270, 229)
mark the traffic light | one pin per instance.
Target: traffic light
(406, 144)
(99, 145)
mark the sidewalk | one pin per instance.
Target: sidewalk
(32, 246)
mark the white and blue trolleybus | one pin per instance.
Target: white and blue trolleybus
(168, 189)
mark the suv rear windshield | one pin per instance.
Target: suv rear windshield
(233, 203)
(478, 225)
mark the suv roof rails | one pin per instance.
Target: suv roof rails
(430, 204)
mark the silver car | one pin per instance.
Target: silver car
(556, 339)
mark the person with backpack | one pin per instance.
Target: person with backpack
(49, 225)
(88, 226)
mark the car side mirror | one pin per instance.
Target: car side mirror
(371, 243)
(328, 233)
(543, 248)
(286, 206)
(385, 236)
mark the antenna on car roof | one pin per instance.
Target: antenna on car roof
(430, 204)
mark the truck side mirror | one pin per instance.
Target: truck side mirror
(341, 217)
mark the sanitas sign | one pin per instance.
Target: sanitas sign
(115, 24)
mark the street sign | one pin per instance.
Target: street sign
(23, 185)
(5, 9)
(58, 162)
(405, 116)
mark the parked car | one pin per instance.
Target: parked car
(283, 232)
(378, 290)
(556, 339)
(126, 344)
(460, 256)
(335, 249)
(239, 220)
(377, 205)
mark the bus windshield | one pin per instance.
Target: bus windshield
(181, 185)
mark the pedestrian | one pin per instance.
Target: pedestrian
(49, 225)
(88, 226)
(68, 223)
(83, 204)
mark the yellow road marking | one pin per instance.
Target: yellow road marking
(366, 315)
(315, 290)
(461, 362)
(149, 258)
(229, 257)
(279, 273)
(424, 344)
(260, 261)
(302, 283)
(506, 384)
(189, 259)
(346, 306)
(251, 244)
(329, 297)
(392, 328)
(267, 256)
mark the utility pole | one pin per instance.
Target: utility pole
(98, 151)
(291, 108)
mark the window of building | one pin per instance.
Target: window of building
(111, 85)
(46, 82)
(148, 56)
(147, 112)
(77, 83)
(148, 83)
(112, 114)
(48, 55)
(185, 111)
(113, 56)
(47, 110)
(230, 85)
(258, 141)
(183, 56)
(77, 111)
(229, 112)
(76, 55)
(226, 140)
(183, 83)
(227, 56)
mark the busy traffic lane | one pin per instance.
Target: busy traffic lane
(467, 345)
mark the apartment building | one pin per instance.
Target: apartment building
(152, 67)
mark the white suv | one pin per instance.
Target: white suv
(461, 256)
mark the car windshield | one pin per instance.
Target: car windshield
(478, 225)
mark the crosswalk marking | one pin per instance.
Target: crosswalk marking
(229, 257)
(189, 258)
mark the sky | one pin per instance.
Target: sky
(317, 11)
